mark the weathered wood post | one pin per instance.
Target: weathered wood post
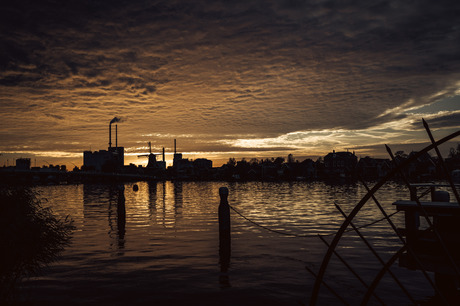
(224, 214)
(121, 213)
(224, 236)
(121, 200)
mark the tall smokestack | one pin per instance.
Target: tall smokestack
(114, 120)
(163, 153)
(116, 135)
(110, 134)
(175, 146)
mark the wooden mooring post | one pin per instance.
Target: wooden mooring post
(121, 215)
(224, 236)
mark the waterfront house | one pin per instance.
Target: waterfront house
(373, 168)
(340, 165)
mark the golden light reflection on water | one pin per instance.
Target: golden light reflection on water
(191, 206)
(171, 228)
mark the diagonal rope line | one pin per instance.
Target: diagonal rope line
(307, 235)
(372, 223)
(269, 229)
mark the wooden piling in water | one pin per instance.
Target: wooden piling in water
(121, 215)
(224, 236)
(224, 214)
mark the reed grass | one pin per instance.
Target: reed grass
(31, 237)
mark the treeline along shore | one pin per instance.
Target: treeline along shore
(333, 166)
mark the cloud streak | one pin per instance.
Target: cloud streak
(276, 70)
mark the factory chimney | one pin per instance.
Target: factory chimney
(110, 135)
(175, 147)
(163, 153)
(114, 120)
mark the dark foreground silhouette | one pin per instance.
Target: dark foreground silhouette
(31, 237)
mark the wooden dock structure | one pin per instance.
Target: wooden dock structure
(432, 231)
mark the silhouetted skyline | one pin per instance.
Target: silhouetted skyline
(254, 79)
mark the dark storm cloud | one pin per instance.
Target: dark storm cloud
(443, 121)
(264, 68)
(394, 37)
(67, 45)
(380, 151)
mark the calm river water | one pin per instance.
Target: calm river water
(166, 251)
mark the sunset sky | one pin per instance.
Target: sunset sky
(251, 79)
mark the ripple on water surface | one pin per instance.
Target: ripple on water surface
(165, 249)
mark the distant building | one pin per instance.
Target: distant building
(23, 164)
(182, 167)
(421, 168)
(202, 168)
(155, 164)
(269, 170)
(177, 160)
(202, 163)
(161, 165)
(374, 168)
(340, 164)
(110, 160)
(308, 169)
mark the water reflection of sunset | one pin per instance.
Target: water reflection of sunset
(168, 246)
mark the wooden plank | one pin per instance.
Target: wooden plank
(431, 208)
(408, 203)
(432, 185)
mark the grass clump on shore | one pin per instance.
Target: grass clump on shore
(30, 237)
